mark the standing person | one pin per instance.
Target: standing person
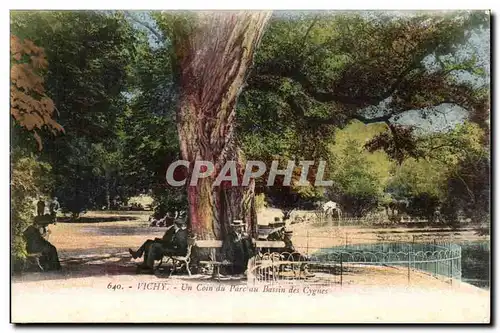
(40, 207)
(54, 208)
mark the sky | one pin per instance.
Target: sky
(448, 116)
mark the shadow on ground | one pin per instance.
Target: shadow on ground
(97, 219)
(85, 265)
(122, 230)
(91, 263)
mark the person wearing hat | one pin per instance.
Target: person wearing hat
(277, 234)
(278, 229)
(35, 243)
(237, 249)
(40, 207)
(54, 208)
(165, 240)
(287, 238)
(177, 247)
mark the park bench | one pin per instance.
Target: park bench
(213, 245)
(186, 260)
(183, 260)
(34, 259)
(263, 244)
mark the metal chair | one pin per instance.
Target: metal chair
(183, 260)
(33, 259)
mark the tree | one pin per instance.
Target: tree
(31, 110)
(323, 70)
(30, 106)
(359, 176)
(468, 190)
(464, 156)
(419, 182)
(453, 173)
(212, 54)
(88, 53)
(315, 73)
(149, 128)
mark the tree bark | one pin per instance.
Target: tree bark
(213, 52)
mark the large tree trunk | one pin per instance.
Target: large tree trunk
(213, 52)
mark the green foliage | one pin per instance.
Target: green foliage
(468, 189)
(416, 177)
(476, 261)
(317, 80)
(148, 130)
(88, 54)
(453, 175)
(30, 179)
(322, 70)
(169, 201)
(359, 176)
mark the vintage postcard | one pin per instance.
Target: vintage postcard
(250, 166)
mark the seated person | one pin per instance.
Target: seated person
(296, 256)
(287, 238)
(165, 240)
(237, 249)
(163, 222)
(276, 235)
(176, 247)
(152, 221)
(35, 243)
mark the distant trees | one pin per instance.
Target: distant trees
(86, 77)
(315, 73)
(452, 174)
(359, 176)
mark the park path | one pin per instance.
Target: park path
(94, 255)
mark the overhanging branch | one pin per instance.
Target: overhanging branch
(380, 119)
(145, 25)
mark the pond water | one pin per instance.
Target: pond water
(476, 263)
